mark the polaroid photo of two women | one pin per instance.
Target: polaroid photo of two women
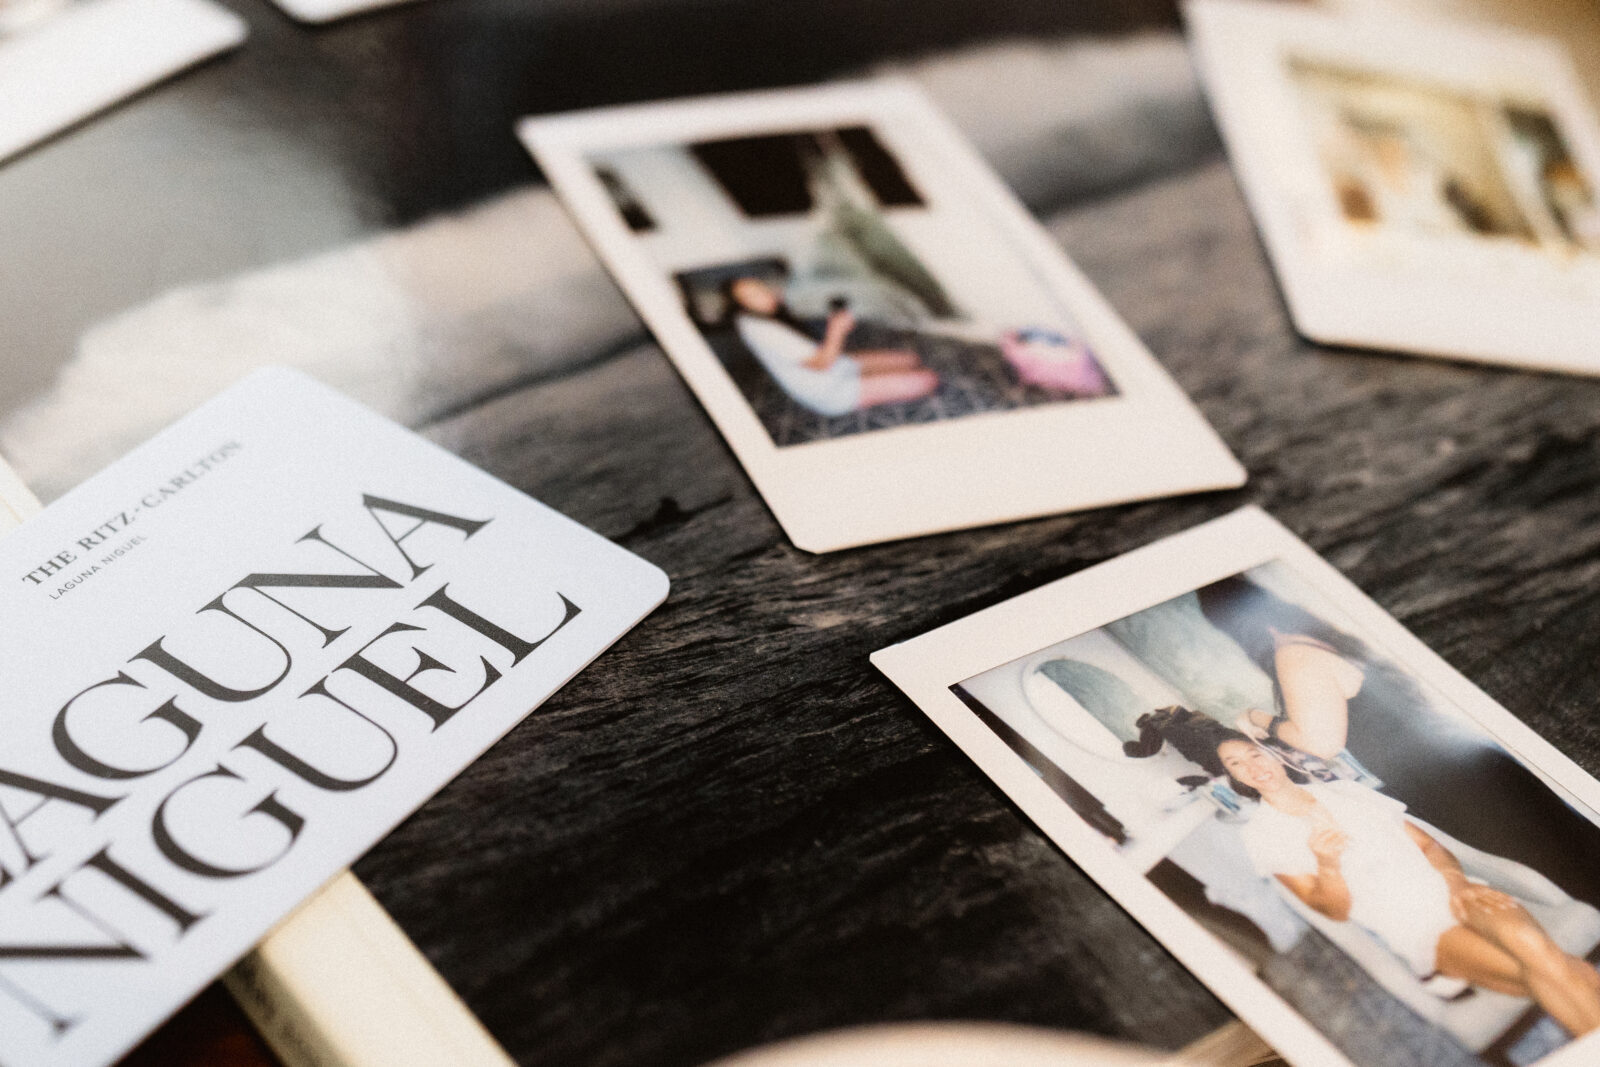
(1356, 849)
(886, 339)
(1420, 187)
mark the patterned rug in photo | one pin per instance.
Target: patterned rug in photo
(1356, 1013)
(973, 378)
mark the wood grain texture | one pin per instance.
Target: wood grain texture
(211, 1030)
(731, 829)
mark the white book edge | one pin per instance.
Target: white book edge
(337, 983)
(1230, 1045)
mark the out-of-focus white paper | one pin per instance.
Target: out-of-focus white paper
(328, 10)
(234, 660)
(16, 502)
(61, 62)
(1422, 186)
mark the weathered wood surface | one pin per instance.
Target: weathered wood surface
(731, 829)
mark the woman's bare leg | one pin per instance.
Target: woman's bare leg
(1317, 686)
(887, 360)
(1468, 955)
(1254, 723)
(897, 388)
(1565, 986)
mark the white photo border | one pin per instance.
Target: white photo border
(926, 667)
(905, 481)
(1470, 298)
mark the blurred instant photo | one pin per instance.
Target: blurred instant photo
(1369, 860)
(1431, 189)
(64, 60)
(886, 339)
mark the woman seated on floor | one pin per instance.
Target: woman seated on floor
(821, 376)
(1350, 853)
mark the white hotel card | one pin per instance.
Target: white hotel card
(232, 662)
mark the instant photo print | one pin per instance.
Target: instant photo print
(1423, 188)
(886, 339)
(1362, 854)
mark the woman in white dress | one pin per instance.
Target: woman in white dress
(821, 376)
(1350, 853)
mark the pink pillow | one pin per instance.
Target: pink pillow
(1052, 361)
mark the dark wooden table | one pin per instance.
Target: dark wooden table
(730, 829)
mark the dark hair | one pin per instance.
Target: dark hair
(1296, 775)
(731, 303)
(783, 314)
(1196, 737)
(1248, 614)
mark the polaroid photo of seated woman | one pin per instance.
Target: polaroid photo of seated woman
(1427, 188)
(1358, 851)
(886, 339)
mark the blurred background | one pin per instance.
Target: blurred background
(308, 138)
